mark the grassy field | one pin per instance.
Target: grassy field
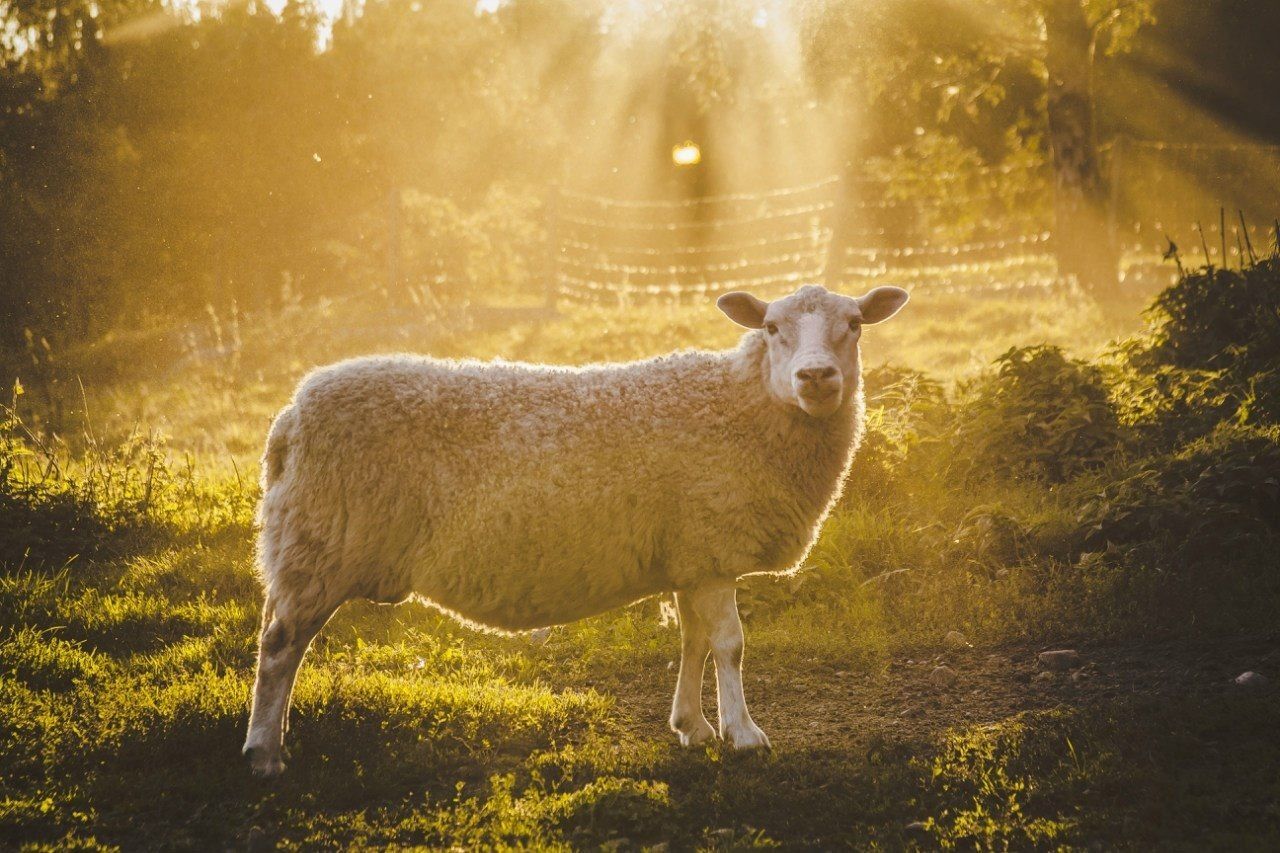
(1121, 500)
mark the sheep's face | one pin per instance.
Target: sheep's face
(812, 340)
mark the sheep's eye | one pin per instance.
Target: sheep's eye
(855, 325)
(771, 328)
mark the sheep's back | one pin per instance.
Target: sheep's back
(470, 468)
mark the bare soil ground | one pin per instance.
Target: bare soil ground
(814, 704)
(1148, 745)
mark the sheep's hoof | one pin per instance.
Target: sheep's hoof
(262, 764)
(700, 733)
(747, 737)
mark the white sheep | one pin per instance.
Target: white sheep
(517, 496)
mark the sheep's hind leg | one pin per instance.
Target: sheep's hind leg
(687, 719)
(288, 627)
(717, 607)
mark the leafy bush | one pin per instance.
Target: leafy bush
(991, 535)
(905, 410)
(1041, 415)
(1217, 319)
(1209, 356)
(452, 252)
(1217, 498)
(1168, 406)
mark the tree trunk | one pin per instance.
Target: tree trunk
(1084, 244)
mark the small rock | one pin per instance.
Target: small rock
(1078, 676)
(958, 641)
(917, 826)
(943, 675)
(1045, 676)
(671, 665)
(539, 636)
(1251, 679)
(1060, 660)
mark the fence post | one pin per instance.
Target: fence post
(551, 274)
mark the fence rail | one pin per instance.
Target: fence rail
(608, 250)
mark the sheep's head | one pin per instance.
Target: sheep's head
(812, 340)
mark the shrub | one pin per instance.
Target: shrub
(490, 249)
(1040, 415)
(1219, 498)
(1172, 405)
(1209, 356)
(990, 535)
(905, 410)
(1216, 319)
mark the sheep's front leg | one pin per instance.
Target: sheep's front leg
(687, 719)
(717, 608)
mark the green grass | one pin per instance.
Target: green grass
(129, 607)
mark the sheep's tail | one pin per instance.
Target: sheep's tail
(278, 441)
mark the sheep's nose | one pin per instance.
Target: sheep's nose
(815, 374)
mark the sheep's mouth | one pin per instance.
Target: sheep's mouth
(820, 403)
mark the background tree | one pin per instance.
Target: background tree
(153, 163)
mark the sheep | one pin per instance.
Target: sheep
(517, 496)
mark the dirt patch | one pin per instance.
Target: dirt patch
(801, 706)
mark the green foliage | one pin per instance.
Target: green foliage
(56, 505)
(983, 774)
(1217, 319)
(1040, 415)
(1208, 356)
(1167, 406)
(1142, 774)
(942, 176)
(906, 413)
(44, 661)
(493, 250)
(1218, 499)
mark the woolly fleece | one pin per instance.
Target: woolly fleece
(517, 496)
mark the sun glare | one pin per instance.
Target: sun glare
(686, 154)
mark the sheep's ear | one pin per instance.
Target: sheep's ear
(881, 304)
(743, 309)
